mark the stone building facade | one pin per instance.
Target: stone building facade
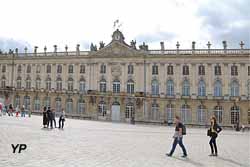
(119, 81)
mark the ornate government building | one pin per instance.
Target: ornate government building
(119, 81)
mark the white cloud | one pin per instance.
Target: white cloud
(61, 22)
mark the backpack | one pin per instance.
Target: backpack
(184, 132)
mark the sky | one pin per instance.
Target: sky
(70, 22)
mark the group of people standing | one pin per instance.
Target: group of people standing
(180, 130)
(49, 117)
(10, 111)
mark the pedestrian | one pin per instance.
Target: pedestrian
(5, 110)
(45, 119)
(23, 111)
(17, 111)
(180, 130)
(1, 108)
(213, 133)
(10, 112)
(54, 117)
(61, 119)
(243, 127)
(49, 121)
(29, 112)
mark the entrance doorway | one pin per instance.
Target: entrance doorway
(115, 112)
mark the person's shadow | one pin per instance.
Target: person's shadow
(233, 162)
(189, 161)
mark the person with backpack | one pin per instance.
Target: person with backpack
(213, 133)
(180, 130)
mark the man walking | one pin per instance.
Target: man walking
(178, 136)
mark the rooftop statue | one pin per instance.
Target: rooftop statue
(133, 44)
(101, 45)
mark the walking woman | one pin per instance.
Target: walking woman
(45, 119)
(213, 133)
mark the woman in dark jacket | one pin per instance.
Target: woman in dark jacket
(213, 133)
(45, 119)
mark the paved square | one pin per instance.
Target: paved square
(99, 144)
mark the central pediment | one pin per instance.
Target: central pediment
(117, 47)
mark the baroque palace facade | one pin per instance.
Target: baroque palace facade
(119, 81)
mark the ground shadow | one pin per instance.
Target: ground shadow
(189, 161)
(232, 161)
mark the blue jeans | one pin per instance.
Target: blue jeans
(176, 141)
(23, 114)
(213, 145)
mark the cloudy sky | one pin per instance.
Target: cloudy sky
(49, 22)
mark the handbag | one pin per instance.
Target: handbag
(209, 132)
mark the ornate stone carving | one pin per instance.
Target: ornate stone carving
(116, 70)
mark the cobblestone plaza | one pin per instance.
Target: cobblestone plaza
(93, 144)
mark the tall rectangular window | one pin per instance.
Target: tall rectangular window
(103, 69)
(185, 70)
(201, 70)
(82, 69)
(71, 69)
(217, 70)
(170, 70)
(234, 70)
(130, 69)
(155, 70)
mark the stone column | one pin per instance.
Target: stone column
(242, 71)
(108, 75)
(75, 100)
(177, 79)
(209, 80)
(162, 79)
(53, 76)
(124, 76)
(96, 76)
(43, 74)
(23, 74)
(33, 76)
(65, 77)
(193, 79)
(226, 71)
(74, 76)
(148, 77)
